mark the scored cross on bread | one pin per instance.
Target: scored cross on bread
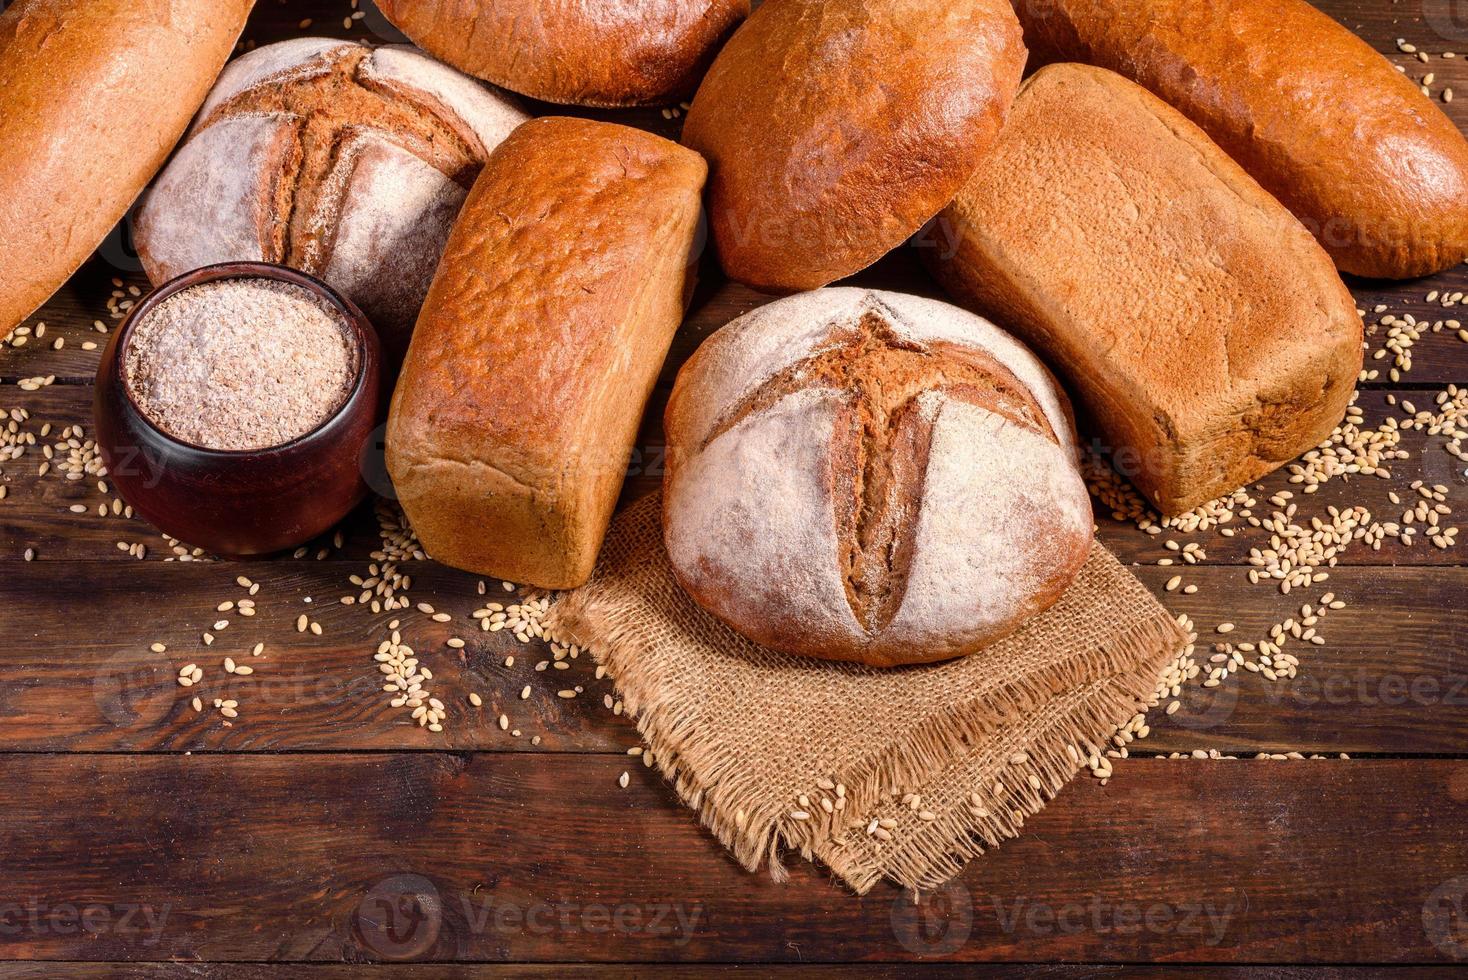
(889, 390)
(343, 161)
(870, 476)
(321, 117)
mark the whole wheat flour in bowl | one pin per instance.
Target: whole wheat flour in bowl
(241, 364)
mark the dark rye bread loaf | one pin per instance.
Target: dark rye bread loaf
(560, 290)
(870, 476)
(93, 96)
(1194, 318)
(576, 52)
(835, 128)
(340, 160)
(1353, 147)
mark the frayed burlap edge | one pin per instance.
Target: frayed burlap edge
(931, 853)
(941, 848)
(1106, 683)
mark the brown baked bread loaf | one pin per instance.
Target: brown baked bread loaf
(1197, 321)
(1350, 145)
(563, 282)
(331, 157)
(835, 128)
(93, 96)
(578, 52)
(869, 476)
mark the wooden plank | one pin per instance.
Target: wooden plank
(79, 653)
(70, 315)
(1381, 23)
(35, 513)
(81, 675)
(74, 970)
(1389, 677)
(518, 859)
(259, 857)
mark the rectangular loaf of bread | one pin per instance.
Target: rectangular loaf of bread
(1200, 326)
(560, 289)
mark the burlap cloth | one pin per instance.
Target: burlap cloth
(743, 732)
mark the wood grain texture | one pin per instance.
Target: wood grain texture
(74, 970)
(292, 858)
(279, 838)
(1390, 678)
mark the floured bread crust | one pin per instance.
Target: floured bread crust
(862, 475)
(343, 161)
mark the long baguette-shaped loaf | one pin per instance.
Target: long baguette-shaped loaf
(1350, 145)
(93, 96)
(562, 284)
(1202, 329)
(575, 52)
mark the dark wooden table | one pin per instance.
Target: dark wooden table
(322, 828)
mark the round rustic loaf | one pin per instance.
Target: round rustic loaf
(576, 52)
(331, 157)
(835, 128)
(870, 476)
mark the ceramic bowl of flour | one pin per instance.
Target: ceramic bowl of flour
(234, 404)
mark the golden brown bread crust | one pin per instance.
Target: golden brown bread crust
(559, 292)
(835, 128)
(577, 52)
(1200, 325)
(95, 93)
(1367, 162)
